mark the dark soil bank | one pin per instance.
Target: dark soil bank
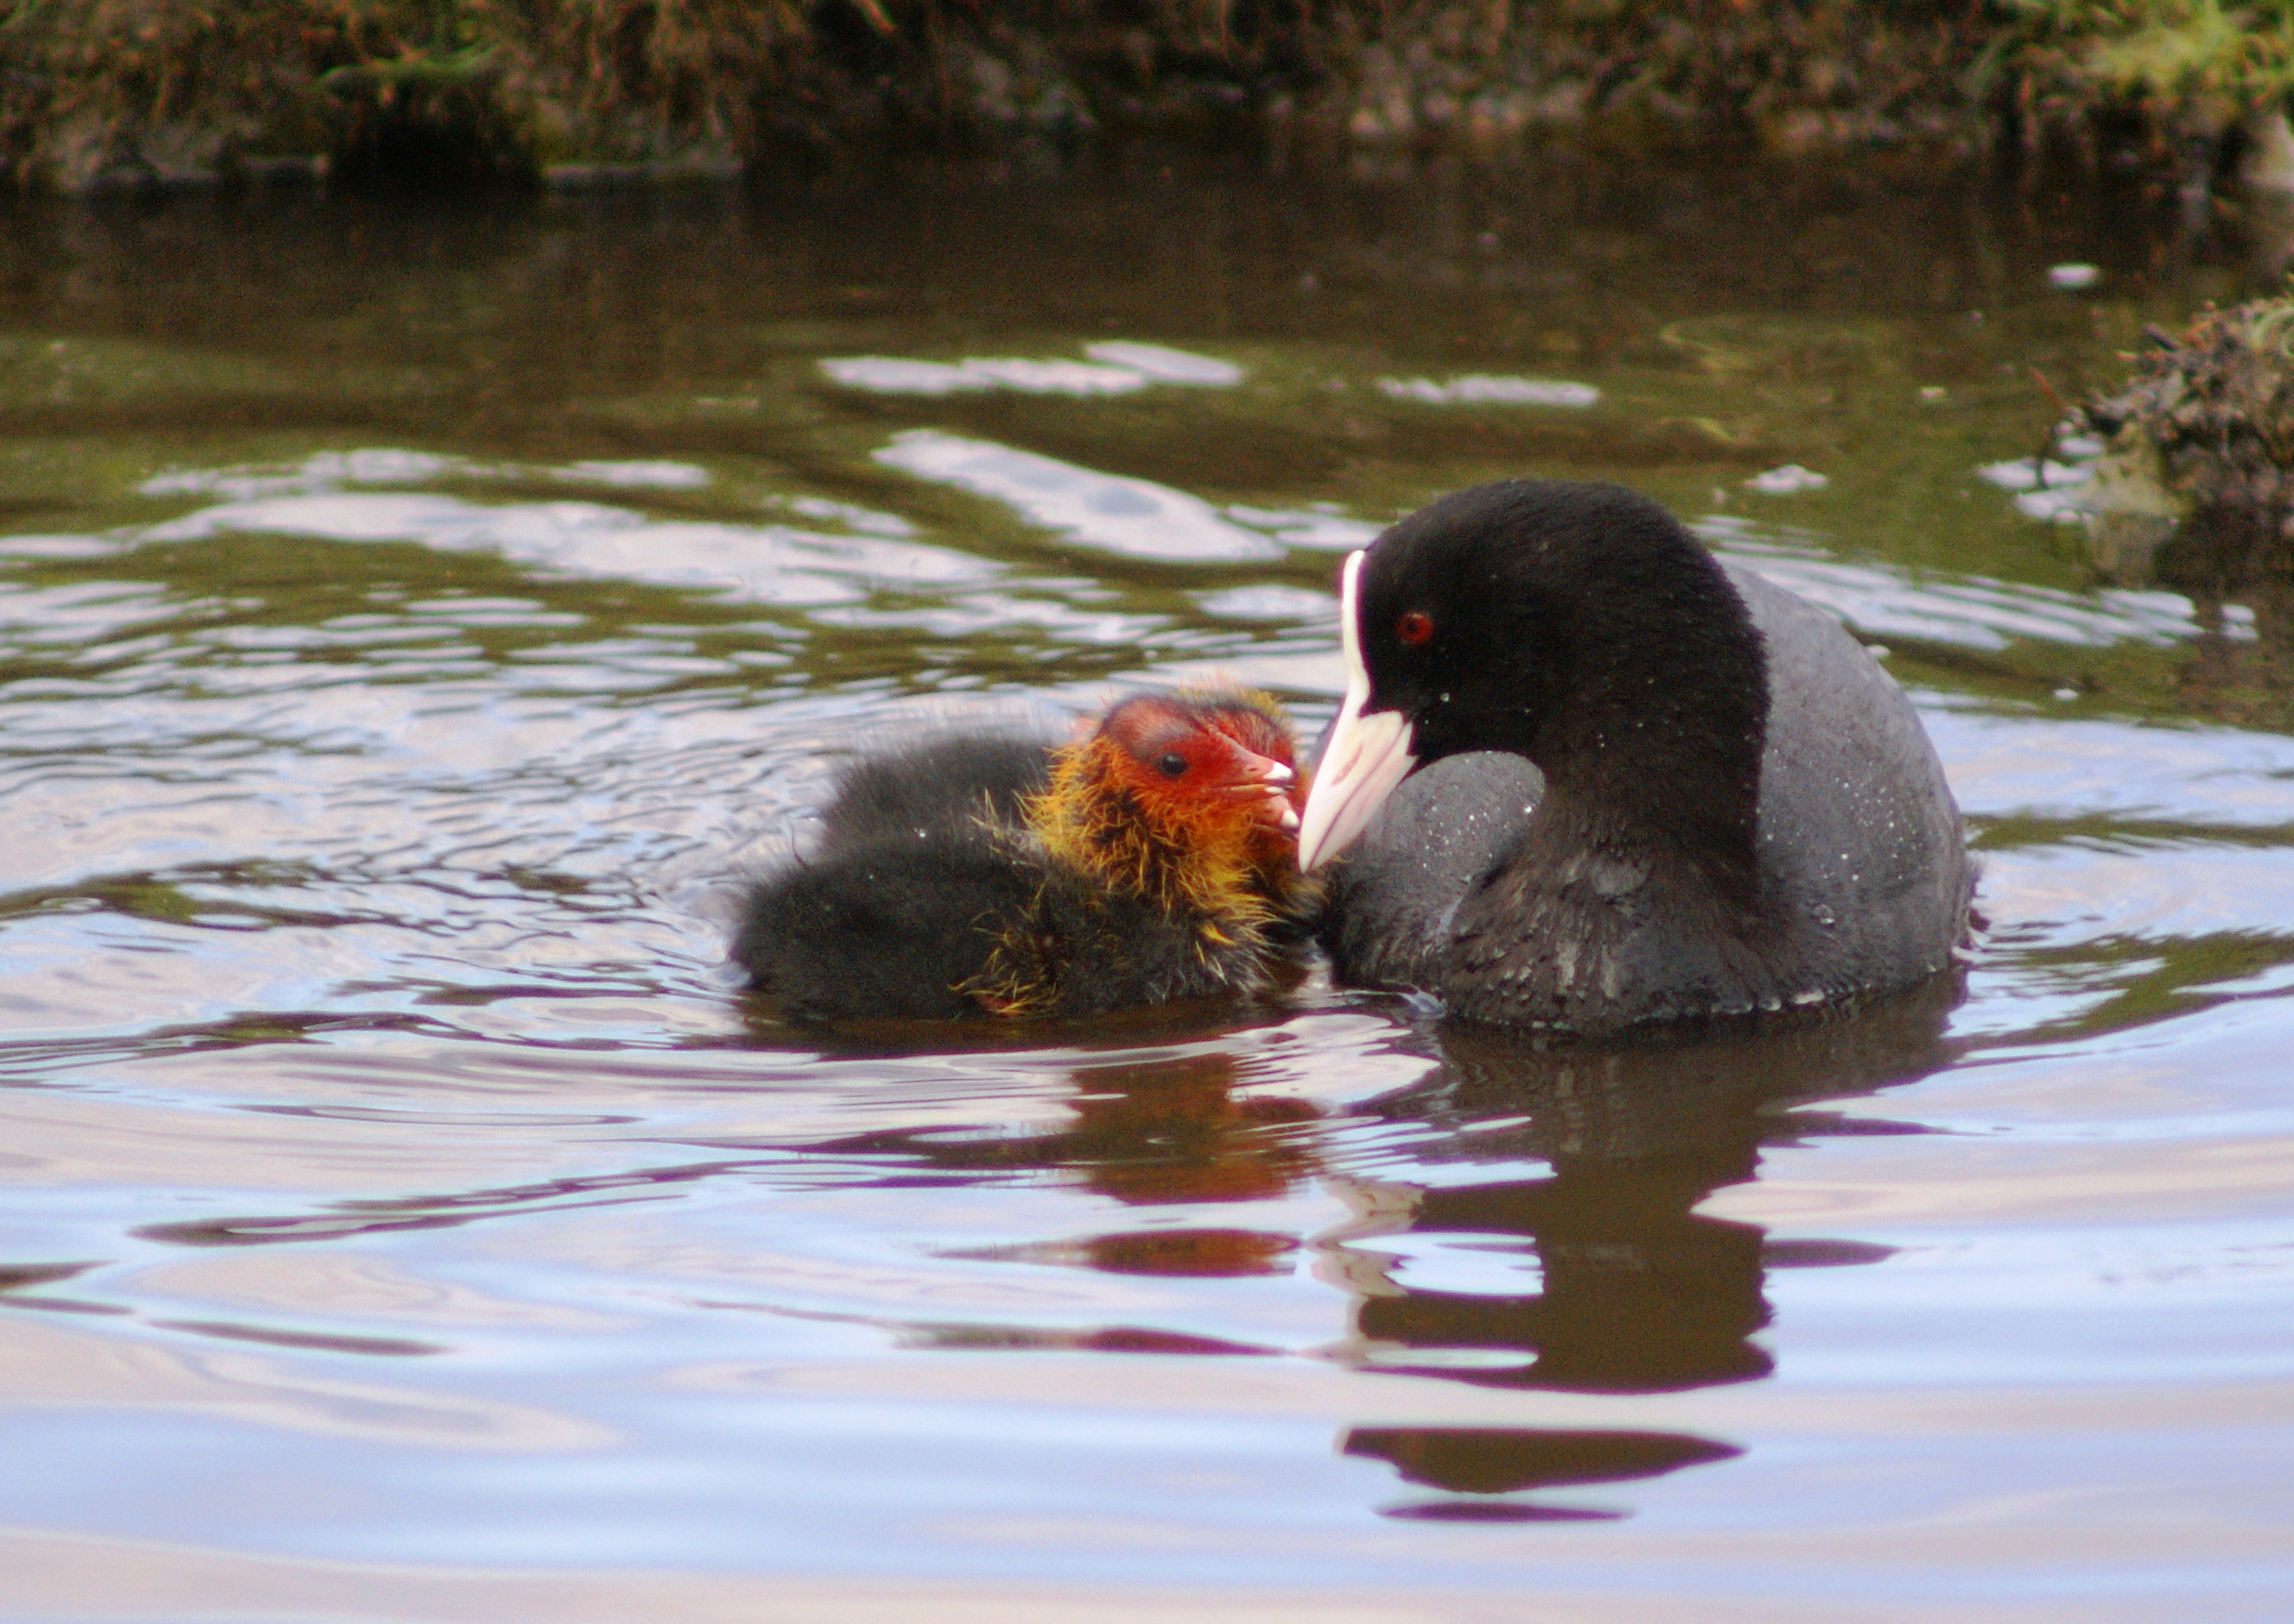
(427, 92)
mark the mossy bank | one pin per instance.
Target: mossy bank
(96, 93)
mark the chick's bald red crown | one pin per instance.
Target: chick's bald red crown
(1202, 751)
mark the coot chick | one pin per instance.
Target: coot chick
(1706, 798)
(1155, 860)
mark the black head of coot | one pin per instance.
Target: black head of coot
(1578, 625)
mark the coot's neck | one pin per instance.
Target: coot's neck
(1652, 752)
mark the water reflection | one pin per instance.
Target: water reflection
(1593, 1273)
(1599, 1275)
(1491, 1461)
(2238, 568)
(1145, 1133)
(1128, 518)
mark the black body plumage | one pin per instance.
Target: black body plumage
(1652, 784)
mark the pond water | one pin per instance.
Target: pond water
(415, 620)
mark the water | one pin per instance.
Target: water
(414, 620)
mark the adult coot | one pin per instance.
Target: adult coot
(1155, 860)
(1705, 797)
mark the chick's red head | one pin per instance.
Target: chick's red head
(1205, 758)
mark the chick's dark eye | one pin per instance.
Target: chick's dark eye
(1173, 764)
(1413, 626)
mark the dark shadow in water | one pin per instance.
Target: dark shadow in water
(1625, 1288)
(320, 1341)
(1507, 1460)
(1501, 1459)
(2225, 557)
(1496, 1511)
(19, 1283)
(1147, 1133)
(1203, 1253)
(339, 1220)
(1185, 1021)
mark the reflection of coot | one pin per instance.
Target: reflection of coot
(1638, 1294)
(1738, 811)
(1152, 862)
(1148, 1133)
(1505, 1460)
(1625, 1288)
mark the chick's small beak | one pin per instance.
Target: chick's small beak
(1271, 784)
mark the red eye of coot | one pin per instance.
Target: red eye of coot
(1413, 626)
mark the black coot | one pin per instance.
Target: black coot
(1589, 777)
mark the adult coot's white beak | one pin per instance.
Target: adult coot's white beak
(1369, 752)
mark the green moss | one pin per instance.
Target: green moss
(2170, 57)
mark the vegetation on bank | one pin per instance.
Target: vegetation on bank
(2195, 491)
(2196, 485)
(96, 92)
